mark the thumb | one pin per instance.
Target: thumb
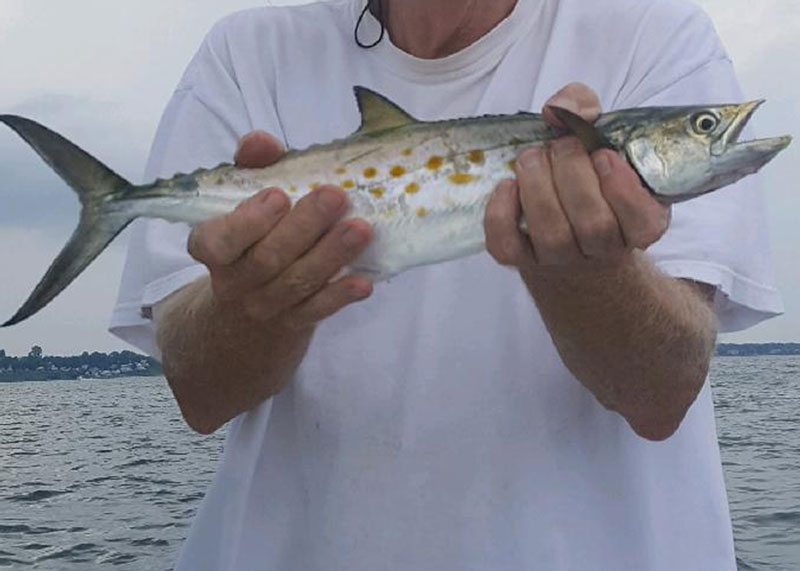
(575, 97)
(258, 149)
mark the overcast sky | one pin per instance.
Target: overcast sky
(101, 72)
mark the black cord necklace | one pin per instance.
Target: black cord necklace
(361, 19)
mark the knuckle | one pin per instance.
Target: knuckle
(646, 236)
(557, 243)
(494, 220)
(511, 251)
(601, 230)
(296, 320)
(193, 245)
(267, 258)
(301, 284)
(223, 289)
(253, 307)
(204, 246)
(498, 252)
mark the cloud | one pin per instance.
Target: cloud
(101, 72)
(763, 39)
(76, 320)
(753, 30)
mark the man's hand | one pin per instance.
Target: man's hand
(272, 262)
(639, 340)
(231, 341)
(582, 211)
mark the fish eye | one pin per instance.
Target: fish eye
(705, 123)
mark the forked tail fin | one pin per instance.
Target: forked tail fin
(102, 193)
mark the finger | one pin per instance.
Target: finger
(641, 217)
(590, 216)
(575, 97)
(548, 227)
(258, 150)
(314, 270)
(296, 233)
(504, 241)
(329, 300)
(220, 241)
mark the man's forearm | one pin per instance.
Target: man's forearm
(220, 363)
(641, 341)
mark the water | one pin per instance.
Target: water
(103, 473)
(757, 401)
(97, 474)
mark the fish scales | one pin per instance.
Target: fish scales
(422, 185)
(424, 194)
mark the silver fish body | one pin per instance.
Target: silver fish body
(422, 185)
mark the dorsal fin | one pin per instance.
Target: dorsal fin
(378, 113)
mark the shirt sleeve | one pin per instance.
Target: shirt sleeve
(721, 238)
(200, 127)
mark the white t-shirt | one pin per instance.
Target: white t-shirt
(434, 426)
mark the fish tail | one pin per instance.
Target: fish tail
(102, 194)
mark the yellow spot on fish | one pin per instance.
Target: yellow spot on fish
(406, 152)
(512, 164)
(292, 188)
(397, 171)
(412, 188)
(377, 192)
(315, 185)
(370, 172)
(477, 156)
(461, 178)
(422, 212)
(341, 170)
(435, 162)
(349, 183)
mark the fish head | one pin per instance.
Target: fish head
(683, 152)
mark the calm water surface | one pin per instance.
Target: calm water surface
(103, 473)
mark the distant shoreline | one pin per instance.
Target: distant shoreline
(36, 366)
(118, 364)
(756, 349)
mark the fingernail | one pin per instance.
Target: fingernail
(565, 146)
(329, 201)
(353, 237)
(601, 164)
(273, 202)
(510, 189)
(565, 103)
(242, 142)
(532, 158)
(359, 291)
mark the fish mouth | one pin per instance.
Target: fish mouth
(745, 157)
(731, 135)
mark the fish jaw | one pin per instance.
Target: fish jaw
(677, 158)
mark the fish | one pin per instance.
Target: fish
(422, 185)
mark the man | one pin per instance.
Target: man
(474, 414)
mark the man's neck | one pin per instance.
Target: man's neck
(437, 28)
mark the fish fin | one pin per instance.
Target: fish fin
(589, 135)
(100, 191)
(378, 113)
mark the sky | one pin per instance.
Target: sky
(101, 72)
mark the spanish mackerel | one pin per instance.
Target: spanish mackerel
(422, 185)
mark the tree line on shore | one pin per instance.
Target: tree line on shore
(36, 366)
(746, 349)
